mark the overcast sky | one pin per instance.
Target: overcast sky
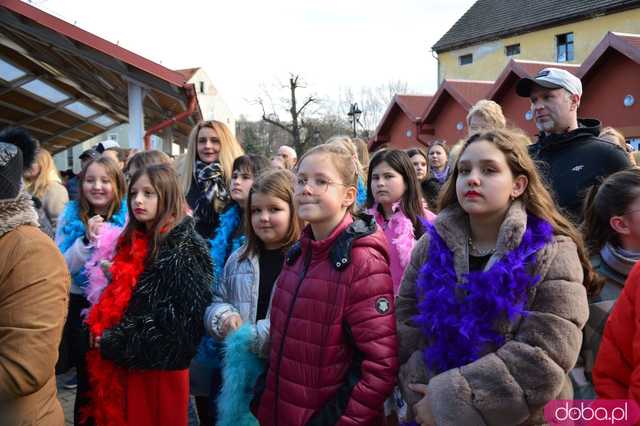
(244, 44)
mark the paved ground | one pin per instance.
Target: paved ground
(66, 397)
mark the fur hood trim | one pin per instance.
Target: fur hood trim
(17, 212)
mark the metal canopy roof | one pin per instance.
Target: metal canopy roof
(66, 85)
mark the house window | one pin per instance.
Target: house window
(513, 49)
(466, 59)
(112, 137)
(564, 47)
(202, 87)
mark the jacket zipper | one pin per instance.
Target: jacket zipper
(307, 261)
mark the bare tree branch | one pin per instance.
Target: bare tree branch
(309, 100)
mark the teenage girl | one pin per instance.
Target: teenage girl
(492, 305)
(393, 199)
(249, 276)
(146, 325)
(333, 344)
(102, 192)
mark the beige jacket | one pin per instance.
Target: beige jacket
(510, 385)
(34, 288)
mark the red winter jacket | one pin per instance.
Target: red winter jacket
(333, 357)
(616, 374)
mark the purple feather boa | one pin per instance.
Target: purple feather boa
(459, 330)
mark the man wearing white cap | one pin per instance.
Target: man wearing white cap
(570, 154)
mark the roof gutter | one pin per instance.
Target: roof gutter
(193, 103)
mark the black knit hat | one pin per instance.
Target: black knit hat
(17, 152)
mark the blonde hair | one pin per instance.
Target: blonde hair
(616, 135)
(117, 181)
(363, 155)
(536, 198)
(230, 149)
(346, 143)
(343, 161)
(490, 112)
(38, 185)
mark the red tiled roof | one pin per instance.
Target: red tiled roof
(92, 41)
(627, 44)
(188, 72)
(465, 92)
(413, 105)
(524, 68)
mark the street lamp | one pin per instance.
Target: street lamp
(354, 116)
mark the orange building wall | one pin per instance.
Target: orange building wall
(604, 90)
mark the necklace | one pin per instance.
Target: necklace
(476, 250)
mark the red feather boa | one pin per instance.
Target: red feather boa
(106, 379)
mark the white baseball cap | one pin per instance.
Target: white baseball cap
(550, 78)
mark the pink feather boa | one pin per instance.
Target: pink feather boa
(402, 229)
(105, 249)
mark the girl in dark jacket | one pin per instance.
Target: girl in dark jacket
(333, 351)
(147, 323)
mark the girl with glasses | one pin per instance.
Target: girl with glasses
(333, 346)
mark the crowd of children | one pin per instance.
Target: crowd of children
(412, 287)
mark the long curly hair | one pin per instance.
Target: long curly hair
(536, 198)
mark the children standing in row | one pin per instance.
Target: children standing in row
(102, 191)
(492, 304)
(333, 344)
(244, 292)
(394, 200)
(146, 325)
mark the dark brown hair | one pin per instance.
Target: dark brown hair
(144, 159)
(253, 163)
(611, 198)
(172, 206)
(117, 182)
(275, 183)
(410, 203)
(535, 198)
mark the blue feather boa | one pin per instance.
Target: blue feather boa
(240, 371)
(361, 194)
(73, 228)
(222, 245)
(460, 329)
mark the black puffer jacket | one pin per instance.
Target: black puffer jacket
(162, 326)
(572, 162)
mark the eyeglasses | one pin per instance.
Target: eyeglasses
(317, 185)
